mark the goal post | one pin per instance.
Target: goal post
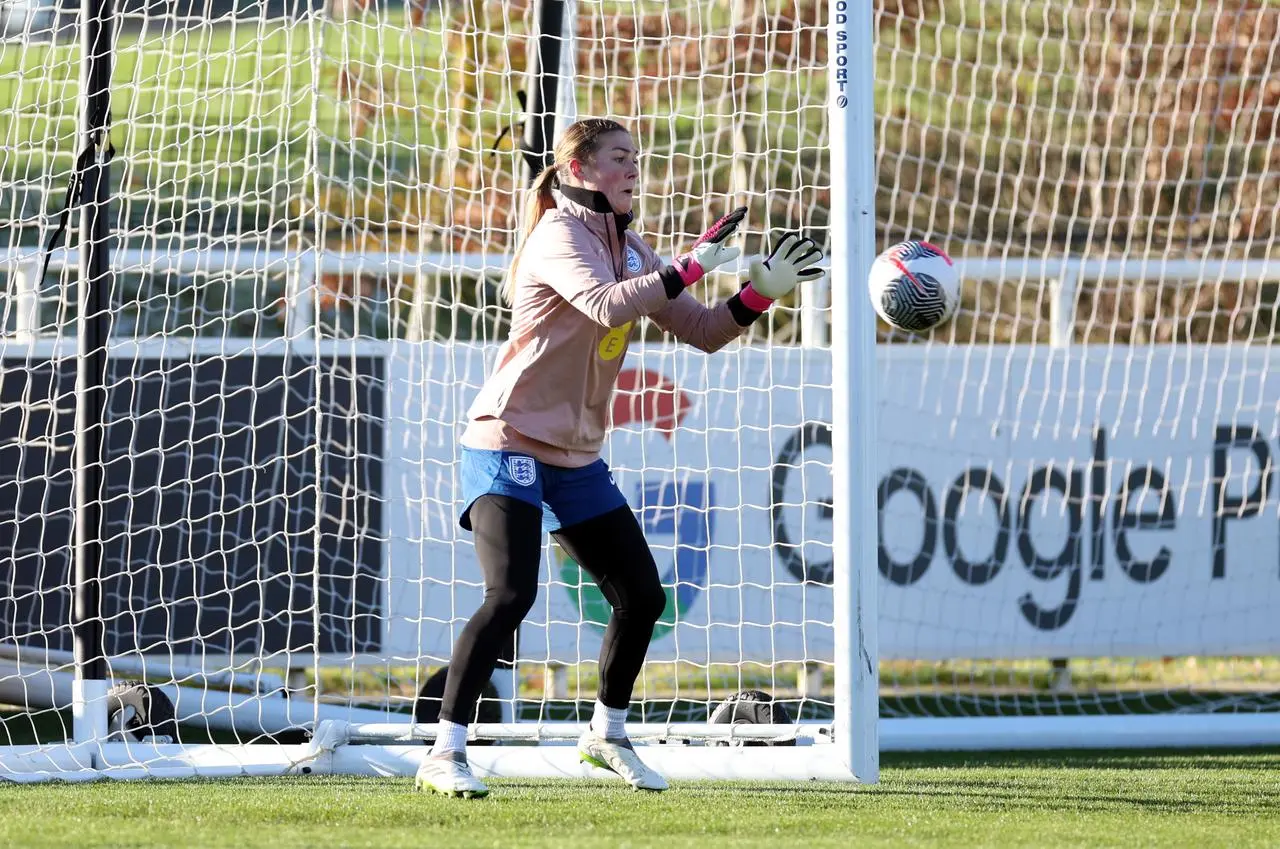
(850, 95)
(92, 331)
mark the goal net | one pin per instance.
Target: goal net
(313, 206)
(1078, 510)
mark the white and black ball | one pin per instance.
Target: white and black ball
(914, 286)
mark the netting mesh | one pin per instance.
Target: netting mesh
(313, 208)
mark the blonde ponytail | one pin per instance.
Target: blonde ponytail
(581, 140)
(539, 200)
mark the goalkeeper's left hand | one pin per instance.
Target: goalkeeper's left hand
(793, 260)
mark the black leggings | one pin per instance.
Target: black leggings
(611, 548)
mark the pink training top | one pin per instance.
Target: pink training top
(582, 283)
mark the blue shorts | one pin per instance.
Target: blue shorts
(566, 496)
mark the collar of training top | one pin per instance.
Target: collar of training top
(595, 201)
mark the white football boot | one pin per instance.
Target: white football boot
(449, 775)
(617, 756)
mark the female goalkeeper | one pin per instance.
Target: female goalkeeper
(531, 452)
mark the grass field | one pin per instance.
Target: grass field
(1063, 799)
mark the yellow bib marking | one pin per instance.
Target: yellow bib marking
(614, 342)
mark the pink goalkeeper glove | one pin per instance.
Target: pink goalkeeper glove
(794, 259)
(709, 251)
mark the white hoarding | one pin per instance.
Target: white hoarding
(1035, 502)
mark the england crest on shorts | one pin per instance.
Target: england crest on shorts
(633, 260)
(523, 470)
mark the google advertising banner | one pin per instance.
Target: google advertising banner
(1032, 502)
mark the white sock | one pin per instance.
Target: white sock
(611, 722)
(453, 738)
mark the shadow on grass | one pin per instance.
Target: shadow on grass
(1200, 759)
(1016, 791)
(1051, 796)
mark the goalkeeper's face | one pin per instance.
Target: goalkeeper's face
(613, 170)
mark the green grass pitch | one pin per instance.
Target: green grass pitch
(1041, 800)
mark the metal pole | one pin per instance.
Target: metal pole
(1062, 307)
(538, 147)
(851, 109)
(544, 76)
(567, 93)
(93, 326)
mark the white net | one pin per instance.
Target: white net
(312, 214)
(1082, 460)
(313, 210)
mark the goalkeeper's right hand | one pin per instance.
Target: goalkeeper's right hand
(794, 259)
(710, 251)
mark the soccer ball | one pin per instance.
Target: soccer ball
(914, 286)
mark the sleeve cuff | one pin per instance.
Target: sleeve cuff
(742, 314)
(753, 300)
(671, 281)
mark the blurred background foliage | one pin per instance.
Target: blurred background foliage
(1099, 129)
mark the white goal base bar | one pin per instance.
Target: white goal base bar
(1005, 733)
(333, 753)
(88, 762)
(804, 733)
(212, 709)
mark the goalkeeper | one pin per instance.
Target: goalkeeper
(531, 452)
